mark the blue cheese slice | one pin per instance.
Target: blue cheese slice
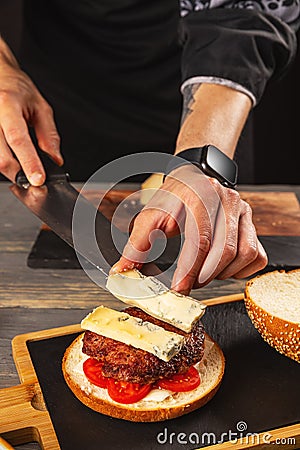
(133, 331)
(153, 297)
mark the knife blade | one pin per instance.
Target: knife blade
(54, 203)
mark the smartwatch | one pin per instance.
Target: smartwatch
(211, 161)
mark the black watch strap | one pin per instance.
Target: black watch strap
(210, 160)
(191, 155)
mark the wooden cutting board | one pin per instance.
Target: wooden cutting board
(24, 417)
(274, 213)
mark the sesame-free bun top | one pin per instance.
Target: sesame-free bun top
(273, 304)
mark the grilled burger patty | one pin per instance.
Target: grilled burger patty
(124, 362)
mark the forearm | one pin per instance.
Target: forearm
(212, 114)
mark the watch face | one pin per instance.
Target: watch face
(221, 164)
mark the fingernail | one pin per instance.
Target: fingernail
(181, 290)
(117, 267)
(36, 179)
(179, 284)
(114, 269)
(123, 266)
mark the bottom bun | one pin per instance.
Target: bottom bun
(159, 404)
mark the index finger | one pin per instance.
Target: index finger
(17, 136)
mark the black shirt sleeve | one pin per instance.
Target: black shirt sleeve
(246, 46)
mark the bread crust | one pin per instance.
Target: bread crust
(280, 334)
(129, 412)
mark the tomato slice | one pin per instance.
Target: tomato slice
(181, 382)
(125, 392)
(93, 371)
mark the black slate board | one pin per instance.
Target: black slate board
(260, 388)
(49, 251)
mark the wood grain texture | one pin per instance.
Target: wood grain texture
(20, 352)
(4, 445)
(23, 419)
(14, 321)
(38, 299)
(274, 213)
(54, 288)
(21, 355)
(49, 288)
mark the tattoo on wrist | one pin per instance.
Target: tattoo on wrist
(188, 100)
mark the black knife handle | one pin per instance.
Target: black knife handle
(53, 171)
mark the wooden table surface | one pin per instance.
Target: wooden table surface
(37, 299)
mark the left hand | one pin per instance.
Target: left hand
(220, 238)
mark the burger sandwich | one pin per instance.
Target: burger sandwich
(151, 362)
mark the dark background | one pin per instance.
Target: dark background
(271, 130)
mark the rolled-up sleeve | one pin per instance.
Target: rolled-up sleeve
(237, 44)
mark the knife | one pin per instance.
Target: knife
(54, 203)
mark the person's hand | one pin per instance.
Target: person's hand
(21, 105)
(220, 238)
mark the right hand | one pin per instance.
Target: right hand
(21, 104)
(220, 237)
